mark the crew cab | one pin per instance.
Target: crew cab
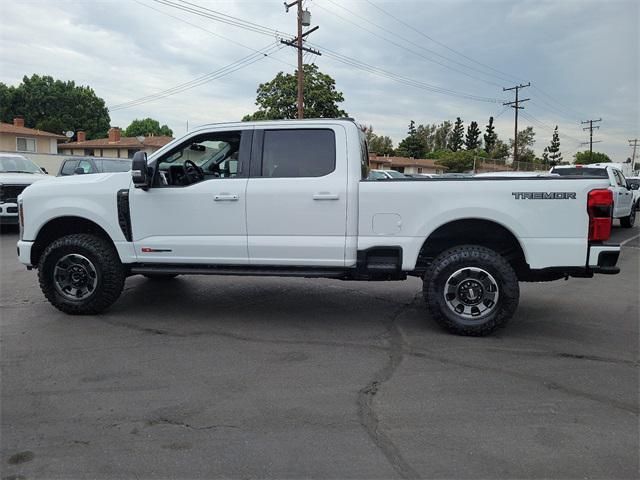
(624, 207)
(292, 198)
(16, 173)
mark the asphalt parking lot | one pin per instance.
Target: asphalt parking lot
(209, 377)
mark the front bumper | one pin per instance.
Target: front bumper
(8, 213)
(24, 252)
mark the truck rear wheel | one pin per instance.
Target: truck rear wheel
(81, 274)
(471, 290)
(628, 222)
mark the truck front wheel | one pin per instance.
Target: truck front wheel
(81, 274)
(471, 290)
(628, 222)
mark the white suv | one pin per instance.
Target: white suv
(16, 174)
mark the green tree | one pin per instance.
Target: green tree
(411, 145)
(490, 137)
(585, 158)
(526, 140)
(147, 127)
(277, 99)
(460, 161)
(441, 135)
(456, 140)
(500, 151)
(55, 106)
(382, 145)
(472, 139)
(554, 156)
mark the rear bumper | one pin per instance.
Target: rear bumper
(603, 259)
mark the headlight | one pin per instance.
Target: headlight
(20, 217)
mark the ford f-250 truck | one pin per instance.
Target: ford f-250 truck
(291, 198)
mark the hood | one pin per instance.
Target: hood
(87, 185)
(22, 178)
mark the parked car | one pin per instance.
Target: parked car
(16, 173)
(296, 205)
(384, 174)
(421, 175)
(623, 197)
(83, 165)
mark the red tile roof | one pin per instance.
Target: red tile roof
(124, 142)
(32, 132)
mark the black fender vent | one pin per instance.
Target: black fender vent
(124, 214)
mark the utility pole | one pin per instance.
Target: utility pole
(515, 105)
(633, 143)
(303, 19)
(591, 128)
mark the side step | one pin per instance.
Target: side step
(240, 270)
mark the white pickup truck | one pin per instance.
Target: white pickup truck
(624, 204)
(291, 198)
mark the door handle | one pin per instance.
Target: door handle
(225, 197)
(325, 196)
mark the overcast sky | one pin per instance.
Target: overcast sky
(580, 56)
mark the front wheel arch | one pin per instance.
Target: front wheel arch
(62, 226)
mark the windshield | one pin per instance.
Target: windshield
(581, 172)
(394, 174)
(633, 181)
(18, 164)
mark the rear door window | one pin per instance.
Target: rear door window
(298, 153)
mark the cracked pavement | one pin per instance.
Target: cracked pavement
(235, 377)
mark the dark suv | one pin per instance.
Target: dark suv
(82, 165)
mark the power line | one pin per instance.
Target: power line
(214, 75)
(338, 57)
(221, 17)
(393, 42)
(209, 31)
(516, 106)
(402, 79)
(440, 43)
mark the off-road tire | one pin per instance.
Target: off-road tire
(160, 276)
(110, 273)
(466, 256)
(629, 221)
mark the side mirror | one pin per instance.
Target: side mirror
(633, 186)
(79, 171)
(139, 170)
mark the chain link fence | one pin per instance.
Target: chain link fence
(482, 165)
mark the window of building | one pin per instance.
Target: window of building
(25, 144)
(298, 153)
(131, 152)
(89, 152)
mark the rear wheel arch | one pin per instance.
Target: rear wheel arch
(474, 231)
(61, 226)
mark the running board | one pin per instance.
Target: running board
(267, 271)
